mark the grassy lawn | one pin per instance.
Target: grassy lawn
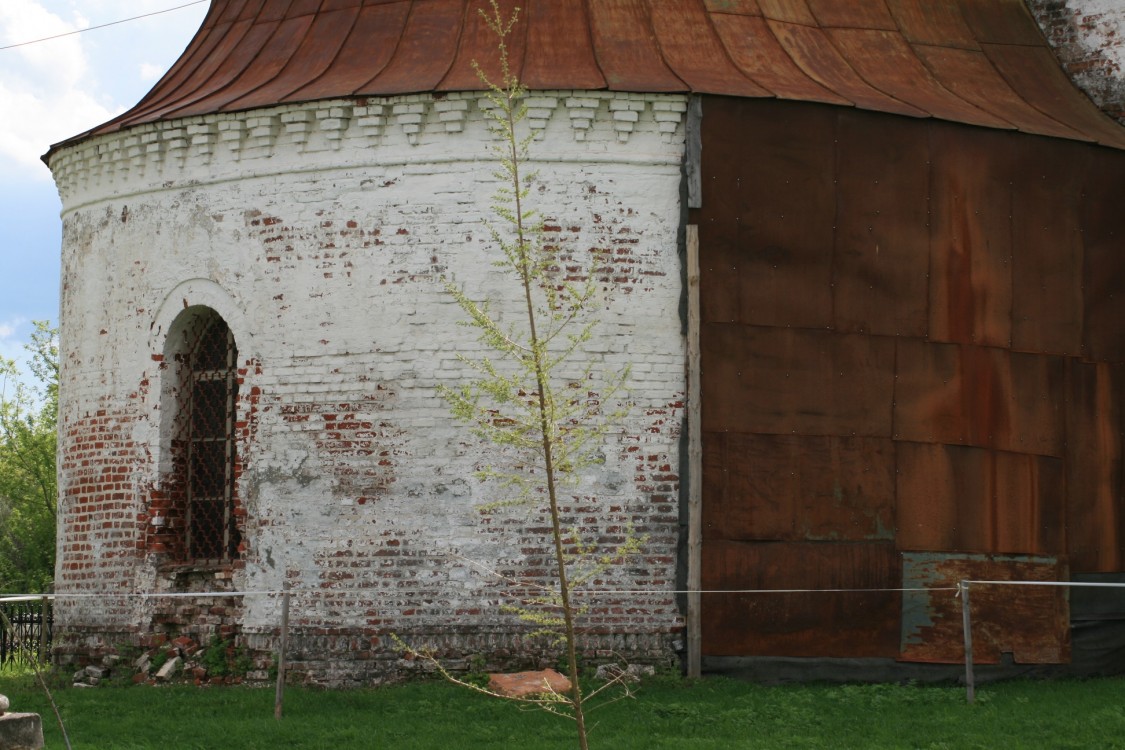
(667, 713)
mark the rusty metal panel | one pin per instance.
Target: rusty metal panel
(238, 10)
(181, 84)
(273, 10)
(790, 381)
(478, 43)
(1001, 22)
(200, 60)
(1032, 623)
(425, 51)
(626, 48)
(970, 275)
(216, 90)
(340, 4)
(274, 55)
(1047, 247)
(302, 8)
(753, 48)
(880, 264)
(789, 11)
(563, 58)
(888, 63)
(932, 24)
(776, 203)
(813, 52)
(796, 488)
(308, 62)
(718, 278)
(1035, 75)
(741, 7)
(1103, 232)
(364, 53)
(970, 75)
(692, 49)
(853, 624)
(834, 14)
(982, 396)
(768, 213)
(961, 499)
(1095, 521)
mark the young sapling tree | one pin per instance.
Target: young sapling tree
(535, 397)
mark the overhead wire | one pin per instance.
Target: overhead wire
(102, 25)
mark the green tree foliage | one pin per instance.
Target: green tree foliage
(28, 490)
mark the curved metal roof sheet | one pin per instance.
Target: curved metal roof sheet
(979, 62)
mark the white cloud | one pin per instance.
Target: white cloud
(150, 72)
(11, 344)
(45, 86)
(52, 90)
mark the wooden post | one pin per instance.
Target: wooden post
(695, 461)
(967, 627)
(283, 644)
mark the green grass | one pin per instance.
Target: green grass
(666, 713)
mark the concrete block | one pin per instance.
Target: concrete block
(21, 732)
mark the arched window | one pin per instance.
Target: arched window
(203, 439)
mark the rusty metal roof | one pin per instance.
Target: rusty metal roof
(979, 62)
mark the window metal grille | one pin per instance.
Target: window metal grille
(209, 398)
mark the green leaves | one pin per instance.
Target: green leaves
(28, 415)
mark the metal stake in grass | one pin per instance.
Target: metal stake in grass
(967, 625)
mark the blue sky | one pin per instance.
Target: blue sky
(50, 91)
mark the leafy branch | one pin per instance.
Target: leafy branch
(526, 397)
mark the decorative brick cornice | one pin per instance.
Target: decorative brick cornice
(344, 133)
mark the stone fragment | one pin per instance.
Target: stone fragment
(95, 673)
(21, 731)
(5, 704)
(641, 670)
(521, 684)
(628, 673)
(168, 669)
(186, 645)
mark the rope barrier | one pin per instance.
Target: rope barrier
(577, 592)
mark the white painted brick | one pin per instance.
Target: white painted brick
(327, 265)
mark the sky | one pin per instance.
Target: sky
(50, 91)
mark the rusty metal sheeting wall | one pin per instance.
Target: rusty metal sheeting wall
(931, 620)
(913, 340)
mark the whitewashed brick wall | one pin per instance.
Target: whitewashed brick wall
(321, 233)
(1089, 39)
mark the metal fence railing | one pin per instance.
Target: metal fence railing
(29, 638)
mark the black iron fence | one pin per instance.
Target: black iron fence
(29, 636)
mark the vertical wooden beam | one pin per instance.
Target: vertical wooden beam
(695, 461)
(694, 148)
